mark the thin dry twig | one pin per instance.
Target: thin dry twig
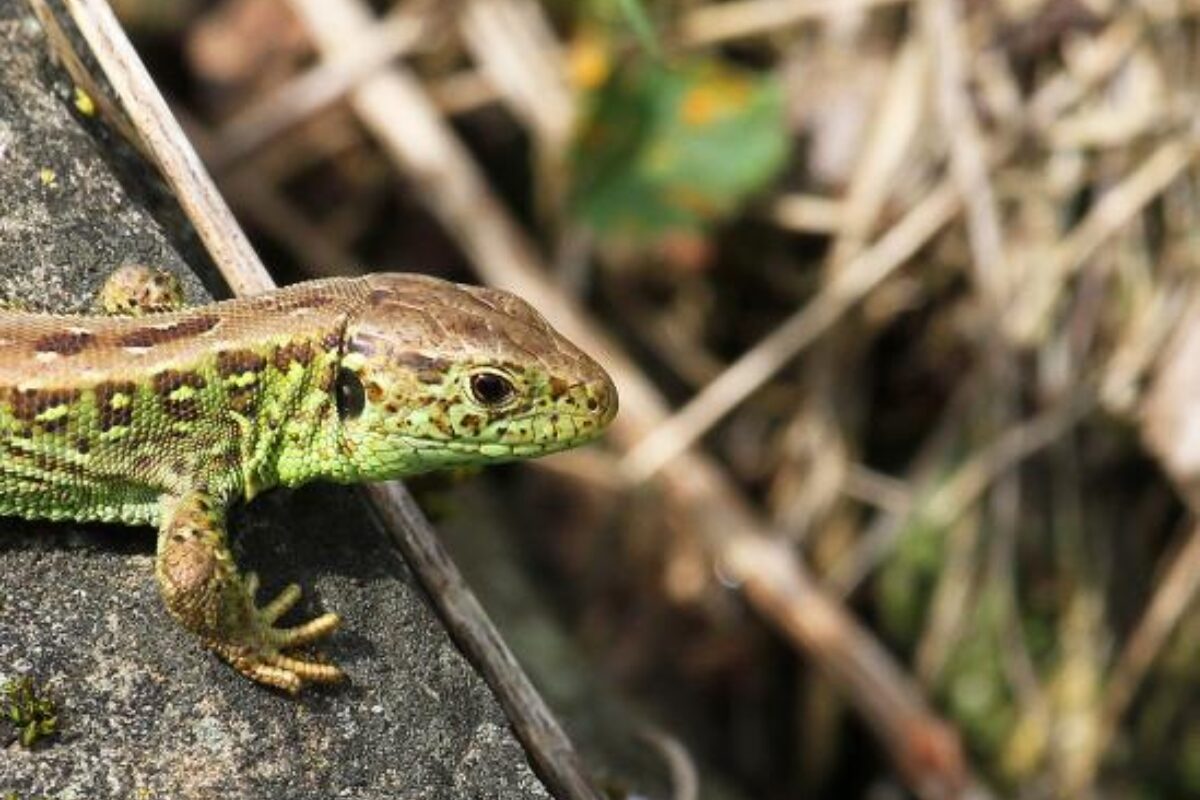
(1119, 204)
(721, 22)
(944, 34)
(968, 483)
(807, 213)
(685, 778)
(893, 131)
(517, 52)
(1176, 593)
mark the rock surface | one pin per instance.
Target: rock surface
(144, 711)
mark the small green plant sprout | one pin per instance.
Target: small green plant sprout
(26, 707)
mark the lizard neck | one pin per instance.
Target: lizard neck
(307, 444)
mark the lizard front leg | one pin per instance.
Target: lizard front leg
(204, 591)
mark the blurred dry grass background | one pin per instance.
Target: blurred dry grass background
(903, 289)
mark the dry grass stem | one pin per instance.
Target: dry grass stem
(804, 213)
(944, 33)
(517, 52)
(720, 22)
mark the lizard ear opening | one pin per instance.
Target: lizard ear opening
(349, 394)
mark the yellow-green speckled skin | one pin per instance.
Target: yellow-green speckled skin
(166, 419)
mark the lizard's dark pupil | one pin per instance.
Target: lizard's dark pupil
(349, 394)
(491, 389)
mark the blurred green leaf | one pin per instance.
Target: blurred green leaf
(671, 150)
(643, 28)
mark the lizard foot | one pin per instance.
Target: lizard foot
(257, 648)
(134, 290)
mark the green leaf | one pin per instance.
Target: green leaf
(673, 150)
(643, 28)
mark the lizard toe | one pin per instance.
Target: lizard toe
(282, 604)
(309, 632)
(277, 677)
(309, 671)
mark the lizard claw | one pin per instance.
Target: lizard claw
(257, 648)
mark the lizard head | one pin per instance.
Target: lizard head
(435, 374)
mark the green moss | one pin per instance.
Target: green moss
(24, 706)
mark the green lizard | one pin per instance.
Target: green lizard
(167, 419)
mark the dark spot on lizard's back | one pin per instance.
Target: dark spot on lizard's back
(28, 404)
(177, 391)
(301, 353)
(65, 343)
(236, 362)
(558, 387)
(151, 335)
(114, 403)
(169, 380)
(306, 301)
(182, 409)
(241, 371)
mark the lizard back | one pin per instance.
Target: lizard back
(100, 415)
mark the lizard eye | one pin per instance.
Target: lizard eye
(491, 389)
(349, 394)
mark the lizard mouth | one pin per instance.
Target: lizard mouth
(569, 430)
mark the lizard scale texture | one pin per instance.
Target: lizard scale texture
(166, 419)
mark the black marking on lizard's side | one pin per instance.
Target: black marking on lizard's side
(237, 362)
(177, 391)
(241, 371)
(44, 410)
(114, 404)
(65, 343)
(169, 380)
(301, 352)
(152, 335)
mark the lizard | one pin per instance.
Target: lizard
(168, 418)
